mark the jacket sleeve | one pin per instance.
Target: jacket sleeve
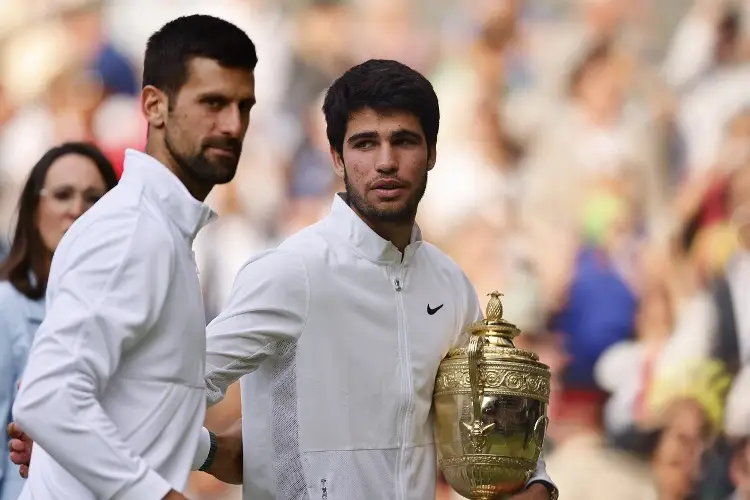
(473, 312)
(266, 312)
(107, 288)
(540, 474)
(7, 388)
(12, 361)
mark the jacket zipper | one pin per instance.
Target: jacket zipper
(406, 382)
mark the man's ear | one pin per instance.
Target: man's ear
(338, 163)
(432, 158)
(155, 106)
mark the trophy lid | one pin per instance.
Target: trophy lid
(493, 324)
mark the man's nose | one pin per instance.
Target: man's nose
(386, 161)
(231, 122)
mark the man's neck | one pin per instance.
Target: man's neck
(398, 233)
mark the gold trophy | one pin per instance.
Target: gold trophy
(490, 405)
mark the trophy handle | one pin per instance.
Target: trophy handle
(477, 430)
(475, 354)
(540, 431)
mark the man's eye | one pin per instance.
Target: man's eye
(214, 103)
(365, 144)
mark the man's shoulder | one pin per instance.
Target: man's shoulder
(120, 208)
(310, 246)
(440, 260)
(281, 263)
(306, 241)
(116, 230)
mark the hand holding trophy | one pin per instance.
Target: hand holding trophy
(490, 404)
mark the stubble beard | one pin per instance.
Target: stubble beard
(199, 167)
(400, 215)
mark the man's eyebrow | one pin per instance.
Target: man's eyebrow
(361, 135)
(401, 133)
(406, 133)
(213, 95)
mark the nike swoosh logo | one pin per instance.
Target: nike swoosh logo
(432, 311)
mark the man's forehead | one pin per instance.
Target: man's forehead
(383, 122)
(204, 73)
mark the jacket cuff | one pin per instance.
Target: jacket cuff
(150, 486)
(553, 492)
(204, 447)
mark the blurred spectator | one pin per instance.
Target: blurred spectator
(710, 52)
(407, 40)
(680, 447)
(731, 330)
(740, 470)
(585, 468)
(63, 184)
(310, 174)
(738, 432)
(320, 53)
(626, 369)
(602, 299)
(593, 139)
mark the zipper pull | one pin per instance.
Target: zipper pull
(397, 284)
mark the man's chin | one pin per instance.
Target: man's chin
(222, 172)
(394, 212)
(224, 179)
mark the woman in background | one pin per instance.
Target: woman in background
(63, 184)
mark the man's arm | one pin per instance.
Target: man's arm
(107, 295)
(225, 460)
(267, 310)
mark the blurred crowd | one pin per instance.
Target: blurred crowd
(593, 165)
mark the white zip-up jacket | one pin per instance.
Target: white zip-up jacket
(114, 393)
(339, 341)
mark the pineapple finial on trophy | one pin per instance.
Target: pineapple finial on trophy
(494, 311)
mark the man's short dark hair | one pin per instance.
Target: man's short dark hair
(170, 49)
(383, 86)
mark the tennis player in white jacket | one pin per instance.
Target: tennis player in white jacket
(113, 393)
(337, 334)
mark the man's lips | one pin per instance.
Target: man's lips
(223, 151)
(388, 185)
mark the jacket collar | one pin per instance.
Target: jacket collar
(161, 185)
(344, 222)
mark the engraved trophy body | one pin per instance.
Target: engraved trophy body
(490, 404)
